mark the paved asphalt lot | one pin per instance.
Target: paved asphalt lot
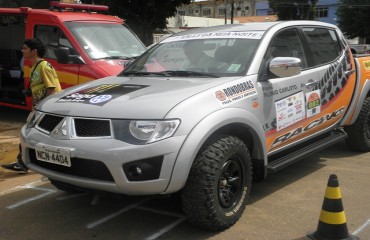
(286, 205)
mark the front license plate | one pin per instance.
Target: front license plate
(53, 155)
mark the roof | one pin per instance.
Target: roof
(64, 16)
(256, 26)
(253, 26)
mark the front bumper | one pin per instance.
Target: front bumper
(106, 164)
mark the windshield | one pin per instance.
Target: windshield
(207, 57)
(106, 40)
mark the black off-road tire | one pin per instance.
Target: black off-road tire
(219, 183)
(359, 132)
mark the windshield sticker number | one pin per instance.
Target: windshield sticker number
(233, 68)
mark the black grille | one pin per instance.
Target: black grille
(80, 167)
(92, 127)
(49, 122)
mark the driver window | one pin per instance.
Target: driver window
(53, 38)
(286, 44)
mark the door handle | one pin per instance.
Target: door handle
(347, 73)
(311, 84)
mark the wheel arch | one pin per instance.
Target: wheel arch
(232, 121)
(356, 107)
(253, 143)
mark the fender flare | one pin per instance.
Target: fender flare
(203, 130)
(356, 107)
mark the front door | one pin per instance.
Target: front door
(305, 105)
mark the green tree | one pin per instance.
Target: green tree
(294, 9)
(143, 16)
(24, 3)
(354, 19)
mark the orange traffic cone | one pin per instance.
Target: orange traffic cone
(332, 224)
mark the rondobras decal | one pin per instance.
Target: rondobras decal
(99, 95)
(234, 93)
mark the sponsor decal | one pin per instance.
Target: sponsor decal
(313, 124)
(313, 103)
(255, 104)
(289, 110)
(101, 94)
(220, 95)
(210, 35)
(367, 65)
(236, 92)
(100, 99)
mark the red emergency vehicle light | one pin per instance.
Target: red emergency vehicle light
(87, 7)
(25, 9)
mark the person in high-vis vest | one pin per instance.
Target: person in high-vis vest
(43, 82)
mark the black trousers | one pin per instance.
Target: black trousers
(19, 157)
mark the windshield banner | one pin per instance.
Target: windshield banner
(210, 35)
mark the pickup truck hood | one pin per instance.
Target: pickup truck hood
(127, 98)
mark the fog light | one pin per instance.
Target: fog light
(135, 171)
(143, 169)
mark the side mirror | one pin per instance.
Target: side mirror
(285, 66)
(64, 57)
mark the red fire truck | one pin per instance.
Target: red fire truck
(82, 42)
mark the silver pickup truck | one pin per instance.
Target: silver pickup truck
(204, 113)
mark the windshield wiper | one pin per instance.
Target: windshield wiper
(189, 73)
(136, 73)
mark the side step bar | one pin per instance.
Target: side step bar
(298, 154)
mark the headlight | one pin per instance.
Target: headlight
(152, 131)
(32, 119)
